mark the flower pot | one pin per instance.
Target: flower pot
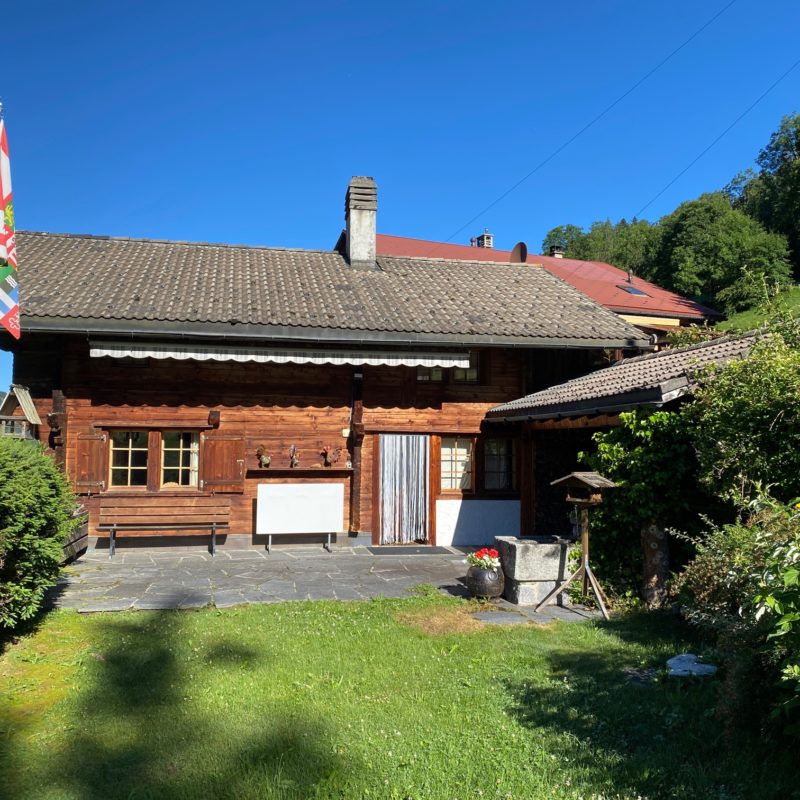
(485, 582)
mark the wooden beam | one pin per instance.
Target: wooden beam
(572, 423)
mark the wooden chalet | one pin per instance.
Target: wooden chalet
(305, 391)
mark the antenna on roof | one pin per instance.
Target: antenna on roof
(519, 255)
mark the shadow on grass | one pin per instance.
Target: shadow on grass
(145, 724)
(649, 739)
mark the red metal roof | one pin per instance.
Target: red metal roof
(604, 283)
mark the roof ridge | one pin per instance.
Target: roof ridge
(186, 242)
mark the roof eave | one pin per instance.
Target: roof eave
(654, 397)
(223, 330)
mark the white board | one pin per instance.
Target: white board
(300, 508)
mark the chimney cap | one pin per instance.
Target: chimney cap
(362, 192)
(556, 251)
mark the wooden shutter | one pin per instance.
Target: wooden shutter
(222, 463)
(90, 462)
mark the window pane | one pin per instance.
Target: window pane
(138, 477)
(138, 458)
(170, 476)
(138, 439)
(120, 439)
(171, 439)
(172, 458)
(119, 477)
(119, 458)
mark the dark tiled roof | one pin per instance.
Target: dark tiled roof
(98, 283)
(608, 285)
(652, 379)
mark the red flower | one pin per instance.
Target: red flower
(493, 553)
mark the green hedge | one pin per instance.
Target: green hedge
(36, 516)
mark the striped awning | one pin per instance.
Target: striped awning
(277, 355)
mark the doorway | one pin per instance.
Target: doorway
(404, 475)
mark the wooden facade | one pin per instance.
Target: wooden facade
(238, 409)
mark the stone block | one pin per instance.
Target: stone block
(529, 593)
(533, 559)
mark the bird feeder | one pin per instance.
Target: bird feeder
(584, 490)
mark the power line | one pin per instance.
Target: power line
(591, 122)
(729, 128)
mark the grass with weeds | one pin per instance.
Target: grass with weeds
(382, 699)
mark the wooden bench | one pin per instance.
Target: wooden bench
(140, 516)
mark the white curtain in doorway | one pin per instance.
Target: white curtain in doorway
(404, 487)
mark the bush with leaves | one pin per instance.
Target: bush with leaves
(36, 516)
(742, 590)
(777, 605)
(745, 420)
(650, 458)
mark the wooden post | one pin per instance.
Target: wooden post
(585, 549)
(584, 571)
(357, 439)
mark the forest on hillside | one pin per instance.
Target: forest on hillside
(727, 248)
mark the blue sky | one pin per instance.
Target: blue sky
(243, 121)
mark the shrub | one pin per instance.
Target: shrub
(745, 420)
(36, 516)
(650, 458)
(741, 589)
(778, 604)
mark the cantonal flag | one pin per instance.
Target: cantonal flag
(9, 289)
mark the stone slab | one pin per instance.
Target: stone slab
(688, 665)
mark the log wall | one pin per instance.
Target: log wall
(272, 406)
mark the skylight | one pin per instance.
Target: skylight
(633, 290)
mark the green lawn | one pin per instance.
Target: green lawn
(755, 317)
(383, 699)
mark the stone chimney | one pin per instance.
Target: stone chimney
(556, 251)
(360, 214)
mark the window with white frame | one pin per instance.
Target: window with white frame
(129, 458)
(499, 467)
(179, 458)
(456, 464)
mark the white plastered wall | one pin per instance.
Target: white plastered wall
(475, 522)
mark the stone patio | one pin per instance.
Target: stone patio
(158, 580)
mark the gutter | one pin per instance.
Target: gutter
(223, 331)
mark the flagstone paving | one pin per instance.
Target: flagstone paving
(159, 580)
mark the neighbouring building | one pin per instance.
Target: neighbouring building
(649, 307)
(342, 391)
